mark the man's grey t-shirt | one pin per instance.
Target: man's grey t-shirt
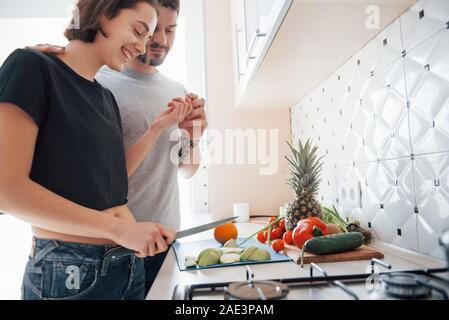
(153, 188)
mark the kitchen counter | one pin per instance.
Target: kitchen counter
(170, 276)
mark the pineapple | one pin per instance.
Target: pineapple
(305, 169)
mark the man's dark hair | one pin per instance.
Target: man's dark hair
(90, 12)
(171, 4)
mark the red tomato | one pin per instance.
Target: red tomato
(271, 220)
(272, 235)
(265, 235)
(302, 233)
(278, 245)
(282, 224)
(288, 237)
(277, 233)
(261, 237)
(314, 221)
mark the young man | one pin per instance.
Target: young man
(142, 93)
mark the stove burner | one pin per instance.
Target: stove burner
(257, 290)
(405, 285)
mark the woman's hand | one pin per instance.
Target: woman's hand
(145, 238)
(184, 105)
(178, 110)
(165, 120)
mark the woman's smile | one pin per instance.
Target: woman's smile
(127, 55)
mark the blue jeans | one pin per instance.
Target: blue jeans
(59, 270)
(152, 267)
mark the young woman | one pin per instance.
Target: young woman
(63, 161)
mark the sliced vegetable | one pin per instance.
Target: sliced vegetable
(209, 257)
(260, 255)
(334, 243)
(229, 258)
(231, 244)
(247, 253)
(215, 250)
(255, 254)
(190, 262)
(232, 250)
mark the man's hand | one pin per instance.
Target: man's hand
(196, 122)
(47, 48)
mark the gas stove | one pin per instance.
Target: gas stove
(430, 284)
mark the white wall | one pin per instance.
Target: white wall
(382, 119)
(36, 8)
(234, 183)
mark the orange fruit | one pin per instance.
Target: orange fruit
(226, 232)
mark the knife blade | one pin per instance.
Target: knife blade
(202, 228)
(122, 252)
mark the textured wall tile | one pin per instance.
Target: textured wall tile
(382, 119)
(428, 92)
(424, 19)
(431, 176)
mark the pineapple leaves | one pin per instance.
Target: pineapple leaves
(305, 168)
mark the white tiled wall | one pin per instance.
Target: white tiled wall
(382, 119)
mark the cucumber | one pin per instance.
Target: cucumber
(334, 243)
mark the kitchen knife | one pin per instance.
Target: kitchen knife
(123, 252)
(192, 231)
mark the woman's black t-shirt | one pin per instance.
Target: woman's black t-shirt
(79, 152)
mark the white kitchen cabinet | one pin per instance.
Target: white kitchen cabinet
(284, 48)
(255, 23)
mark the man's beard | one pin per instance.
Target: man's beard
(144, 59)
(154, 61)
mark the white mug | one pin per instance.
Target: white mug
(241, 210)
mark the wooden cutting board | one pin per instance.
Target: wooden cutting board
(362, 253)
